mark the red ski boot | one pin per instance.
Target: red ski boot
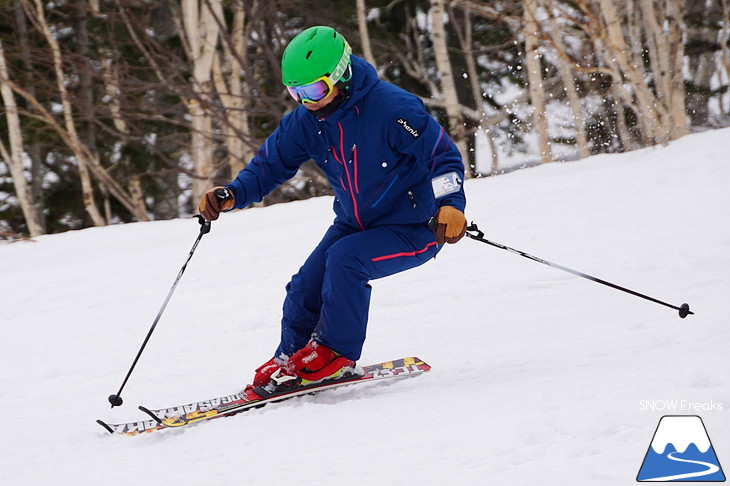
(314, 363)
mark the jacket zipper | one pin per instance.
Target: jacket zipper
(347, 173)
(354, 155)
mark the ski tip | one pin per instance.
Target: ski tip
(150, 413)
(418, 362)
(103, 424)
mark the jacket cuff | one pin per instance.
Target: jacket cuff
(239, 194)
(457, 201)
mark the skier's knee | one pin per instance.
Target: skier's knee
(341, 256)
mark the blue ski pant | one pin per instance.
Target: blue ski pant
(328, 299)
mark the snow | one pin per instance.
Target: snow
(539, 377)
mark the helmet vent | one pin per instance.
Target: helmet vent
(308, 54)
(314, 33)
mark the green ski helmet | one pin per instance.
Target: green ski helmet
(315, 53)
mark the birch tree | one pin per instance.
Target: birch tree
(724, 37)
(446, 77)
(201, 32)
(32, 148)
(88, 162)
(110, 77)
(567, 75)
(663, 31)
(362, 25)
(484, 122)
(14, 157)
(36, 12)
(534, 76)
(228, 67)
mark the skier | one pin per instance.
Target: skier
(393, 169)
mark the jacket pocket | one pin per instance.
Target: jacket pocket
(422, 202)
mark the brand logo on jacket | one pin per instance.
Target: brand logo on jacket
(407, 127)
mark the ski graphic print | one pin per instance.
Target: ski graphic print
(190, 413)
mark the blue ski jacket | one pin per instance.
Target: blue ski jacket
(387, 159)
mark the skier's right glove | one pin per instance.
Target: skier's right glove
(214, 201)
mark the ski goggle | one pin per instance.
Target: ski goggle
(313, 92)
(322, 87)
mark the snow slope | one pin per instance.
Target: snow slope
(539, 377)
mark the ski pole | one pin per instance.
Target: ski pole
(479, 236)
(116, 399)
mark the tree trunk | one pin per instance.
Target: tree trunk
(633, 70)
(664, 46)
(611, 47)
(362, 25)
(448, 87)
(112, 90)
(227, 75)
(85, 97)
(33, 149)
(724, 37)
(702, 66)
(465, 35)
(627, 139)
(567, 75)
(14, 159)
(679, 122)
(87, 162)
(201, 31)
(534, 76)
(81, 158)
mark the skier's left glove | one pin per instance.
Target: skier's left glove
(450, 225)
(214, 201)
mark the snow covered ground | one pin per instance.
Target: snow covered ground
(539, 377)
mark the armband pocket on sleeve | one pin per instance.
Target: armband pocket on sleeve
(446, 184)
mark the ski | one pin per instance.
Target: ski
(190, 413)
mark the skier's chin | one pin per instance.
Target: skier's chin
(316, 106)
